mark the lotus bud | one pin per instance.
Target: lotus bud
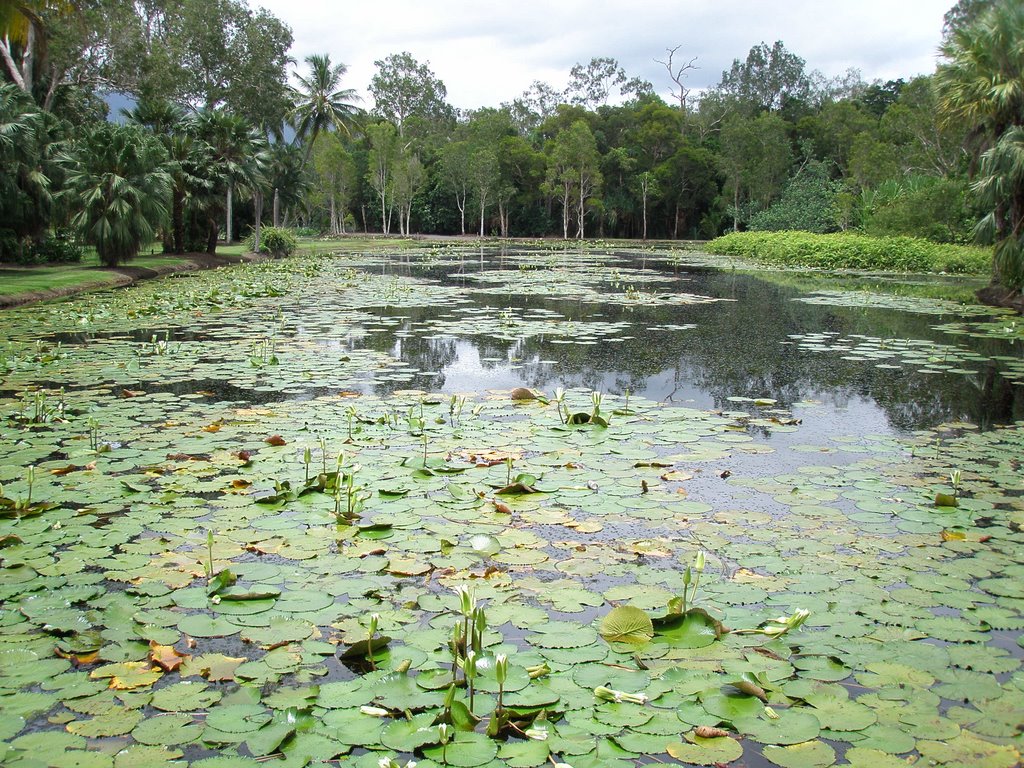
(537, 734)
(501, 668)
(771, 714)
(469, 666)
(444, 733)
(467, 600)
(698, 564)
(687, 576)
(374, 711)
(374, 619)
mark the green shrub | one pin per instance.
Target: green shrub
(808, 203)
(277, 241)
(56, 249)
(846, 250)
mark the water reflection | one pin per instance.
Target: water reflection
(736, 348)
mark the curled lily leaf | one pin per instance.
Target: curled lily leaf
(540, 670)
(610, 694)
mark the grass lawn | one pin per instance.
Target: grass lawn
(25, 280)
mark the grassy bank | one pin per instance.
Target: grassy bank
(20, 285)
(845, 250)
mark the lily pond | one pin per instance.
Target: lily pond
(521, 507)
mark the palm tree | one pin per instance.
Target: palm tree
(117, 181)
(983, 85)
(28, 139)
(320, 104)
(240, 157)
(286, 176)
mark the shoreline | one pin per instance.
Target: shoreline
(120, 277)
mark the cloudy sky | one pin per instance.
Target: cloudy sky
(487, 53)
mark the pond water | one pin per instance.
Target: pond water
(183, 569)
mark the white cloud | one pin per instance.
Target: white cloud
(487, 53)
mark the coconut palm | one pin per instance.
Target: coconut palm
(320, 102)
(982, 84)
(116, 180)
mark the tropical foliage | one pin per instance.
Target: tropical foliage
(117, 181)
(772, 146)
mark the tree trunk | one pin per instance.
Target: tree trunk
(28, 59)
(211, 236)
(334, 217)
(178, 220)
(581, 209)
(230, 213)
(645, 214)
(258, 205)
(461, 203)
(277, 207)
(735, 209)
(565, 214)
(12, 68)
(483, 207)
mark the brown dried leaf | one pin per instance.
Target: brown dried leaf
(710, 732)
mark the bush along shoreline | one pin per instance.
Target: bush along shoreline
(847, 250)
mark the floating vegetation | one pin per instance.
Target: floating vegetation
(915, 304)
(345, 569)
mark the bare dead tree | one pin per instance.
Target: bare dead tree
(678, 72)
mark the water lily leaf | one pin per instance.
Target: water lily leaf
(407, 735)
(114, 723)
(213, 666)
(628, 625)
(702, 751)
(186, 696)
(466, 750)
(525, 754)
(221, 581)
(166, 657)
(200, 625)
(968, 751)
(267, 739)
(693, 629)
(238, 718)
(861, 757)
(167, 729)
(793, 726)
(809, 754)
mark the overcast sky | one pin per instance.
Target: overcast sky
(487, 53)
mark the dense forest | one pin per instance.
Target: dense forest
(227, 131)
